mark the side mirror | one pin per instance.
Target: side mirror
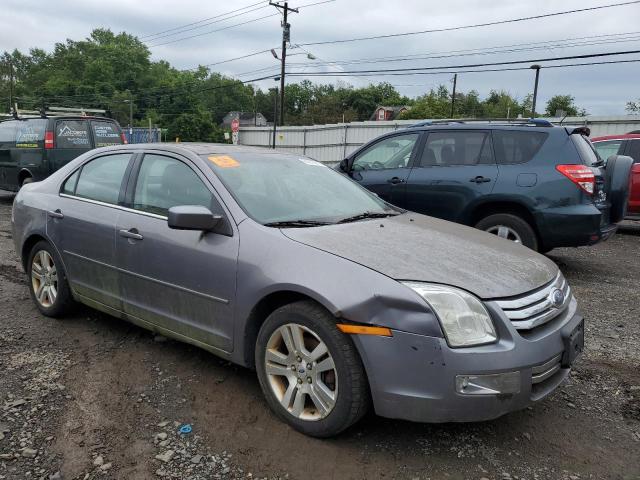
(192, 217)
(344, 165)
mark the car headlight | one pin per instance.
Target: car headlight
(464, 319)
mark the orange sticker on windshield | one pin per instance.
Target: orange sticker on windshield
(224, 161)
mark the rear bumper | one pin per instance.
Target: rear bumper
(413, 377)
(572, 226)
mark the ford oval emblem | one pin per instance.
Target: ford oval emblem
(557, 297)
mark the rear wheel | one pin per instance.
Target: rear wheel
(48, 284)
(618, 173)
(26, 180)
(510, 227)
(310, 372)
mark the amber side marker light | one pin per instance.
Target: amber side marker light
(364, 330)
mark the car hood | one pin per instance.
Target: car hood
(420, 248)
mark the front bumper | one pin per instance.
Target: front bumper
(413, 377)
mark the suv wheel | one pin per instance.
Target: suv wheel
(47, 281)
(618, 171)
(510, 227)
(309, 371)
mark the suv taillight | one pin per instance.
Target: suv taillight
(581, 175)
(48, 139)
(123, 137)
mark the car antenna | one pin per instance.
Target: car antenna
(563, 118)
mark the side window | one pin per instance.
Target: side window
(392, 152)
(164, 182)
(607, 148)
(30, 133)
(457, 148)
(105, 134)
(7, 133)
(101, 178)
(69, 186)
(633, 150)
(517, 146)
(72, 134)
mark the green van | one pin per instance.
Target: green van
(31, 149)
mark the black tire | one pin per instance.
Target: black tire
(352, 398)
(618, 172)
(63, 301)
(517, 224)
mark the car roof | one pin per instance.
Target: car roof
(622, 136)
(203, 149)
(59, 117)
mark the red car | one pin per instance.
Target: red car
(624, 144)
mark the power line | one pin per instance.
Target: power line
(214, 31)
(476, 25)
(200, 21)
(238, 24)
(518, 47)
(472, 65)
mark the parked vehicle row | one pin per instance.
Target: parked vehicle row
(533, 183)
(629, 145)
(337, 298)
(31, 149)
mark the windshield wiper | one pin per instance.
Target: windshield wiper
(296, 224)
(365, 215)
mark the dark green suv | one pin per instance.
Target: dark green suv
(31, 149)
(530, 182)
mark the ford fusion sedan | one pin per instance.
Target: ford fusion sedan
(338, 300)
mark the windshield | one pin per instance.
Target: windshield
(275, 188)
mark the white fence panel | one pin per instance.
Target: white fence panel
(332, 143)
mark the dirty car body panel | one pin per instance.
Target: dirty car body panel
(209, 288)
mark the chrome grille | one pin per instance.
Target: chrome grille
(538, 307)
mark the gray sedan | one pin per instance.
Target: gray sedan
(276, 262)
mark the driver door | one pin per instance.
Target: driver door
(384, 166)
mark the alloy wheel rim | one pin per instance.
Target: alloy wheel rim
(44, 278)
(505, 232)
(301, 372)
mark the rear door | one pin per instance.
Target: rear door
(633, 150)
(72, 139)
(454, 169)
(7, 144)
(82, 224)
(28, 153)
(384, 166)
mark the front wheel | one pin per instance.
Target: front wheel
(510, 227)
(309, 371)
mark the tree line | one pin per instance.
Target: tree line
(115, 72)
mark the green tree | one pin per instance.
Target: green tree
(565, 103)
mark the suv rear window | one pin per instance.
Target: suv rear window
(72, 134)
(517, 146)
(587, 153)
(30, 132)
(105, 134)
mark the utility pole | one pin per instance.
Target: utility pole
(535, 90)
(286, 36)
(10, 84)
(453, 97)
(275, 115)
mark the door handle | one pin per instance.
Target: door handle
(480, 179)
(396, 180)
(55, 213)
(131, 233)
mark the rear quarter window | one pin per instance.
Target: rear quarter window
(105, 134)
(30, 134)
(587, 153)
(72, 134)
(517, 146)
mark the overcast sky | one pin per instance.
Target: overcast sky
(601, 89)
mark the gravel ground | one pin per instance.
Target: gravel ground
(94, 397)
